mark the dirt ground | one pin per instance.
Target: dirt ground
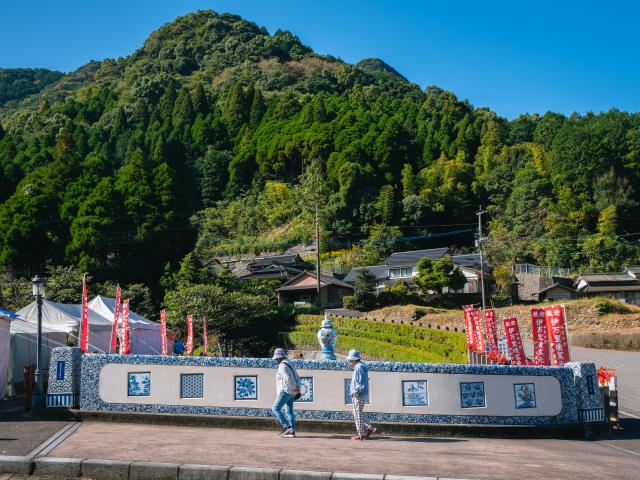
(582, 318)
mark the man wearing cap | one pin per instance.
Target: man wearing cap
(359, 391)
(287, 388)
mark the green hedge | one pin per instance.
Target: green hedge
(385, 341)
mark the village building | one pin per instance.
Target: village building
(623, 286)
(303, 289)
(277, 267)
(403, 267)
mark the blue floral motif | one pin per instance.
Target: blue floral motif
(247, 388)
(472, 394)
(306, 390)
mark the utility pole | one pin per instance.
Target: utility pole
(479, 243)
(318, 255)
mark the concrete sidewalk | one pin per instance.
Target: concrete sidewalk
(21, 432)
(472, 458)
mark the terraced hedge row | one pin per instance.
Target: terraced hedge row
(383, 341)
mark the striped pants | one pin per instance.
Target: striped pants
(358, 416)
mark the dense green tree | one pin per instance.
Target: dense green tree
(435, 275)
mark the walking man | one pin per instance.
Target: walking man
(288, 389)
(359, 391)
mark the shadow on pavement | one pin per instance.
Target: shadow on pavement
(383, 438)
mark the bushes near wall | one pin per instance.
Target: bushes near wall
(383, 341)
(606, 305)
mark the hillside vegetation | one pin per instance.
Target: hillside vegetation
(382, 341)
(217, 137)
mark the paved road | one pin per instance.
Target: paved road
(19, 431)
(627, 366)
(475, 458)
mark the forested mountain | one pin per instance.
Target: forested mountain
(17, 83)
(212, 138)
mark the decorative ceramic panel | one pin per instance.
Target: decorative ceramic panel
(191, 385)
(414, 393)
(92, 366)
(306, 390)
(246, 388)
(472, 394)
(139, 384)
(347, 393)
(60, 369)
(525, 394)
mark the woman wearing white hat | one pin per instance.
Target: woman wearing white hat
(359, 391)
(288, 388)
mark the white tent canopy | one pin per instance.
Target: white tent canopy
(24, 339)
(66, 318)
(145, 334)
(5, 321)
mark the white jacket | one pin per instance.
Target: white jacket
(287, 378)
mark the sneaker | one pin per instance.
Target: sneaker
(284, 431)
(369, 432)
(289, 434)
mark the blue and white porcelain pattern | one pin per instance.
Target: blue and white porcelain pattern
(525, 395)
(64, 380)
(191, 385)
(246, 387)
(93, 363)
(306, 390)
(139, 384)
(327, 338)
(472, 394)
(589, 402)
(415, 393)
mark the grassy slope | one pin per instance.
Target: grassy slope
(384, 341)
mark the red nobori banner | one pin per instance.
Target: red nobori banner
(478, 330)
(84, 327)
(558, 338)
(492, 331)
(163, 331)
(125, 343)
(189, 350)
(514, 341)
(116, 318)
(205, 343)
(468, 326)
(540, 337)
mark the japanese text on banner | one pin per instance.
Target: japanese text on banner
(540, 337)
(558, 338)
(514, 341)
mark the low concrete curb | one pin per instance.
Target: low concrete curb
(153, 471)
(343, 426)
(101, 469)
(248, 473)
(15, 464)
(203, 472)
(105, 469)
(357, 476)
(58, 467)
(304, 475)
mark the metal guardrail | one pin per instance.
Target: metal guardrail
(541, 270)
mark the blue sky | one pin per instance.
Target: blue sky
(511, 56)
